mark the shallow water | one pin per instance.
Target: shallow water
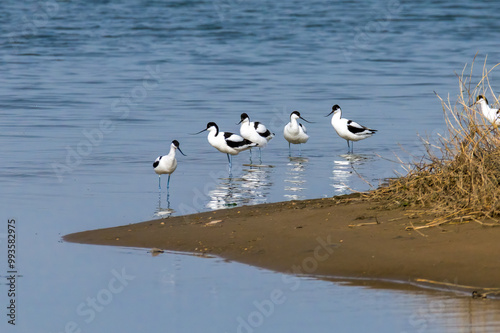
(179, 293)
(93, 92)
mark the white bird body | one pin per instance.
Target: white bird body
(348, 129)
(255, 131)
(294, 132)
(167, 164)
(489, 113)
(227, 142)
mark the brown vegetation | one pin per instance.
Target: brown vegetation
(459, 178)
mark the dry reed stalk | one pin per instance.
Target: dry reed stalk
(459, 178)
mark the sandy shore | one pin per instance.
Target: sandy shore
(324, 237)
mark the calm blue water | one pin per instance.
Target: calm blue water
(92, 92)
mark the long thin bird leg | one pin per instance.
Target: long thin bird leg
(159, 182)
(168, 183)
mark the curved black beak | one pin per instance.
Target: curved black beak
(329, 113)
(307, 121)
(239, 122)
(198, 132)
(180, 151)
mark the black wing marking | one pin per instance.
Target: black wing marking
(155, 164)
(261, 129)
(355, 128)
(303, 128)
(236, 141)
(238, 144)
(265, 134)
(232, 137)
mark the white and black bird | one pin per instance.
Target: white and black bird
(255, 131)
(489, 113)
(348, 129)
(226, 142)
(167, 164)
(294, 132)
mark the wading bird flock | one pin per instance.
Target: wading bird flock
(255, 134)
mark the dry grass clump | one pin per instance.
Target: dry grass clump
(459, 178)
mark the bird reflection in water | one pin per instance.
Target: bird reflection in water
(250, 189)
(295, 180)
(161, 211)
(343, 170)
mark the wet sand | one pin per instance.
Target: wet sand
(331, 237)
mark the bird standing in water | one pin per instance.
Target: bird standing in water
(294, 132)
(255, 132)
(226, 142)
(167, 164)
(348, 129)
